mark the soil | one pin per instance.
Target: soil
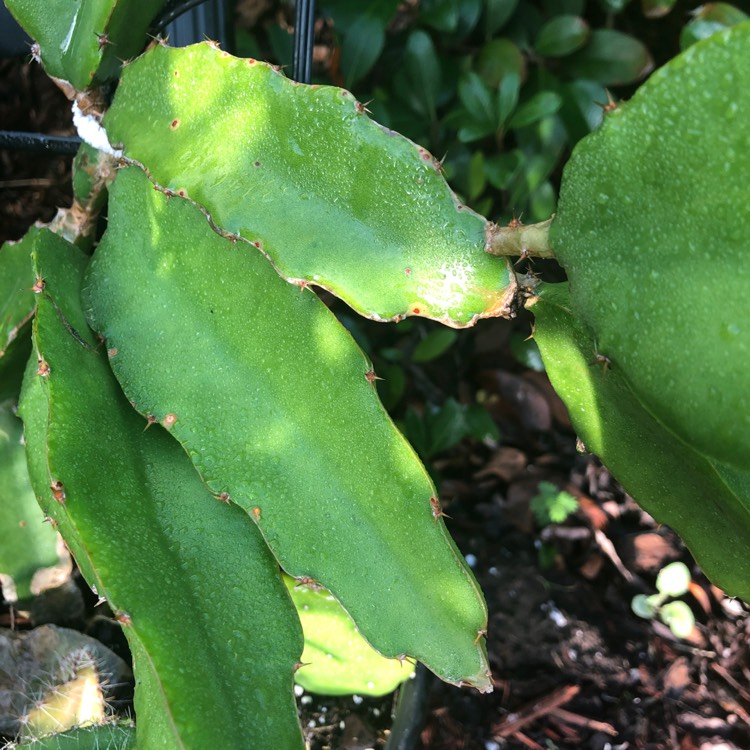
(573, 667)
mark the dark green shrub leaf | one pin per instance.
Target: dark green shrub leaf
(657, 8)
(499, 58)
(446, 426)
(614, 6)
(441, 15)
(507, 97)
(478, 100)
(707, 504)
(611, 58)
(542, 201)
(665, 178)
(363, 43)
(562, 35)
(434, 344)
(497, 13)
(542, 104)
(479, 423)
(500, 168)
(422, 71)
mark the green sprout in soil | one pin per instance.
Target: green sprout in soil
(672, 581)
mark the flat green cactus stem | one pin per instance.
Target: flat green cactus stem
(16, 290)
(190, 579)
(337, 659)
(331, 197)
(84, 41)
(28, 543)
(706, 503)
(652, 230)
(275, 405)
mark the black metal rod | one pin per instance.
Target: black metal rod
(173, 13)
(38, 143)
(304, 36)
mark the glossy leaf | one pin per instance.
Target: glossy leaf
(543, 104)
(79, 39)
(441, 15)
(337, 660)
(331, 197)
(610, 58)
(614, 6)
(673, 482)
(652, 232)
(497, 14)
(361, 47)
(657, 8)
(562, 35)
(28, 543)
(250, 399)
(497, 59)
(152, 540)
(434, 344)
(422, 71)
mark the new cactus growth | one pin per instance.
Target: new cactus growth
(272, 451)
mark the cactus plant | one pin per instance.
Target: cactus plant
(266, 446)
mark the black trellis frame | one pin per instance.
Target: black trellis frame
(304, 31)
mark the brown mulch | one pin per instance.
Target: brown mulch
(573, 666)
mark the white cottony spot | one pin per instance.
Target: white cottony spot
(91, 132)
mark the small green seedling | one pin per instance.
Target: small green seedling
(672, 581)
(552, 505)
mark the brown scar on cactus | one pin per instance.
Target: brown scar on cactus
(58, 491)
(307, 582)
(169, 420)
(112, 352)
(256, 513)
(175, 123)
